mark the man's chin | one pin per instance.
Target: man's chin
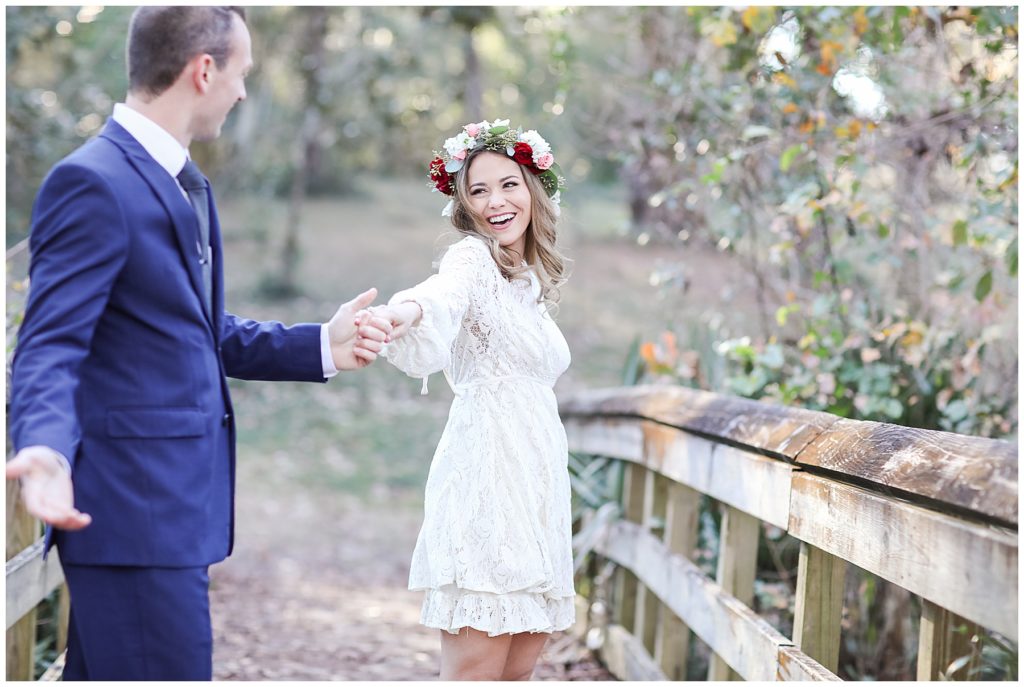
(208, 134)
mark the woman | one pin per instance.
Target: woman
(494, 553)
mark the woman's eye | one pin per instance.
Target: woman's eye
(476, 192)
(510, 184)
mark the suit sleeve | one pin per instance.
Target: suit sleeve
(271, 351)
(79, 243)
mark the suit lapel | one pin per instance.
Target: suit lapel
(183, 217)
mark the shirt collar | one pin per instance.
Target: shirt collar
(156, 141)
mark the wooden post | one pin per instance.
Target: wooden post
(737, 567)
(647, 603)
(944, 638)
(817, 619)
(632, 510)
(22, 530)
(62, 616)
(672, 638)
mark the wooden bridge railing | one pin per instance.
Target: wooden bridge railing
(932, 512)
(30, 579)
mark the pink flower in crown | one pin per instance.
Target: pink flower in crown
(545, 161)
(472, 129)
(461, 155)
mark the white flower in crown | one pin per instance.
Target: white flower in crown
(457, 145)
(536, 142)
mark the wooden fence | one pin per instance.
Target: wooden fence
(30, 580)
(932, 512)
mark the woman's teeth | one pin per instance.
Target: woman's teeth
(501, 219)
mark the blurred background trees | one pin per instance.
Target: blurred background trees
(851, 172)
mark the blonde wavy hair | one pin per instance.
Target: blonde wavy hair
(541, 251)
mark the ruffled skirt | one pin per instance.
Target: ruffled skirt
(495, 549)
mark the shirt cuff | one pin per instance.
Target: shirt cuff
(46, 450)
(326, 358)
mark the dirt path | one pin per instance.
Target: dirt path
(316, 590)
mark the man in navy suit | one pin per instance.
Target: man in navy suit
(119, 402)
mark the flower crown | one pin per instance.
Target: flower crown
(527, 148)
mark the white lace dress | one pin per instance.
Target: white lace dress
(495, 549)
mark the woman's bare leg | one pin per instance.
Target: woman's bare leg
(523, 654)
(472, 655)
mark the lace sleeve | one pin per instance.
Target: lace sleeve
(444, 299)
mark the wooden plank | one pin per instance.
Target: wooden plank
(818, 615)
(21, 619)
(63, 614)
(647, 604)
(796, 666)
(56, 670)
(775, 428)
(30, 579)
(767, 426)
(737, 567)
(972, 473)
(625, 658)
(626, 581)
(943, 639)
(672, 638)
(746, 641)
(749, 481)
(611, 438)
(968, 568)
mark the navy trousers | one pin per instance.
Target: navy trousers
(139, 623)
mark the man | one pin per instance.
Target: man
(119, 381)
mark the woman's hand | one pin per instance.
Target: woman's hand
(402, 316)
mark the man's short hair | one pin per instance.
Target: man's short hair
(161, 41)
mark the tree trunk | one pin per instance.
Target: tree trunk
(473, 95)
(306, 147)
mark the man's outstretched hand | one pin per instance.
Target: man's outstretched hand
(46, 488)
(356, 338)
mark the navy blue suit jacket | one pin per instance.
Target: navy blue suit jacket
(119, 367)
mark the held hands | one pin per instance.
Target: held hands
(46, 488)
(402, 317)
(356, 335)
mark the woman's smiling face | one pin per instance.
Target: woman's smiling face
(498, 193)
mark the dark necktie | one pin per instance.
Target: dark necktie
(192, 180)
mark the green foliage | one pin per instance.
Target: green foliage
(878, 304)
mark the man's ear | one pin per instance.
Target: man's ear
(200, 70)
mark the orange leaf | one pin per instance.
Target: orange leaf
(860, 21)
(824, 69)
(647, 353)
(790, 108)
